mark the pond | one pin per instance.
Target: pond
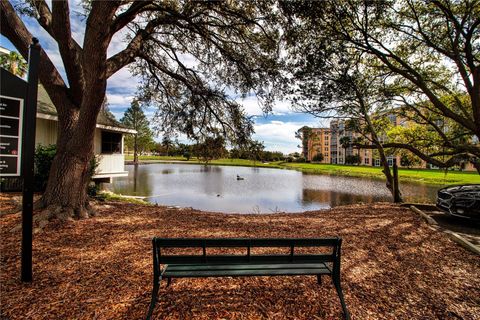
(262, 190)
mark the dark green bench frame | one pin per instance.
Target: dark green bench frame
(240, 265)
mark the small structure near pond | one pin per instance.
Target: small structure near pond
(108, 143)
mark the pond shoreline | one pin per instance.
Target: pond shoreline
(431, 177)
(243, 189)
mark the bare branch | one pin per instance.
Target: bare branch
(70, 51)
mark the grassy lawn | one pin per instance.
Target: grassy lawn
(223, 162)
(149, 158)
(433, 177)
(437, 177)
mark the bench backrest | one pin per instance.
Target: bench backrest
(159, 256)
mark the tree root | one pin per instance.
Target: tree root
(58, 213)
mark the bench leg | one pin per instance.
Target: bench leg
(336, 283)
(156, 287)
(169, 281)
(319, 279)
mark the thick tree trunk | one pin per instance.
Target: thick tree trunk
(66, 193)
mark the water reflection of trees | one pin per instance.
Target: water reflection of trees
(415, 193)
(137, 183)
(335, 198)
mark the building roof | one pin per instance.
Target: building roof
(105, 119)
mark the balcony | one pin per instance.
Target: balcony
(110, 166)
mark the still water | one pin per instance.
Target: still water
(262, 190)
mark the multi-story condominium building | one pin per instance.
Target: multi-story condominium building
(339, 149)
(318, 142)
(341, 138)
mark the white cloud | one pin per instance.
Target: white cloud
(123, 81)
(119, 99)
(281, 107)
(253, 107)
(279, 135)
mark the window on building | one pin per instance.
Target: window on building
(390, 162)
(367, 161)
(326, 149)
(111, 142)
(377, 162)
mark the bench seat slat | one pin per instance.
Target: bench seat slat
(210, 267)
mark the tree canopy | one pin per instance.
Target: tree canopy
(414, 51)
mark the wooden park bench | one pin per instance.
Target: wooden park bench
(203, 264)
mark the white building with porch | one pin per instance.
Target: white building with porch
(108, 144)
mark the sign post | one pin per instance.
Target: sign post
(28, 152)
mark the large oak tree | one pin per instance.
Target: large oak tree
(232, 43)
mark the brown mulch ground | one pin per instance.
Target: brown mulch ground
(394, 267)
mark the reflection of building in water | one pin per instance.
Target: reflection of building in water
(138, 182)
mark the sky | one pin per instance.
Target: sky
(276, 130)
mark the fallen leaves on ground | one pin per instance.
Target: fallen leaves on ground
(393, 267)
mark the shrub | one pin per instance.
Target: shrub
(43, 161)
(93, 188)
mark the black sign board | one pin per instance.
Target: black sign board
(17, 137)
(11, 120)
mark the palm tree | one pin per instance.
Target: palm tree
(14, 63)
(167, 143)
(345, 142)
